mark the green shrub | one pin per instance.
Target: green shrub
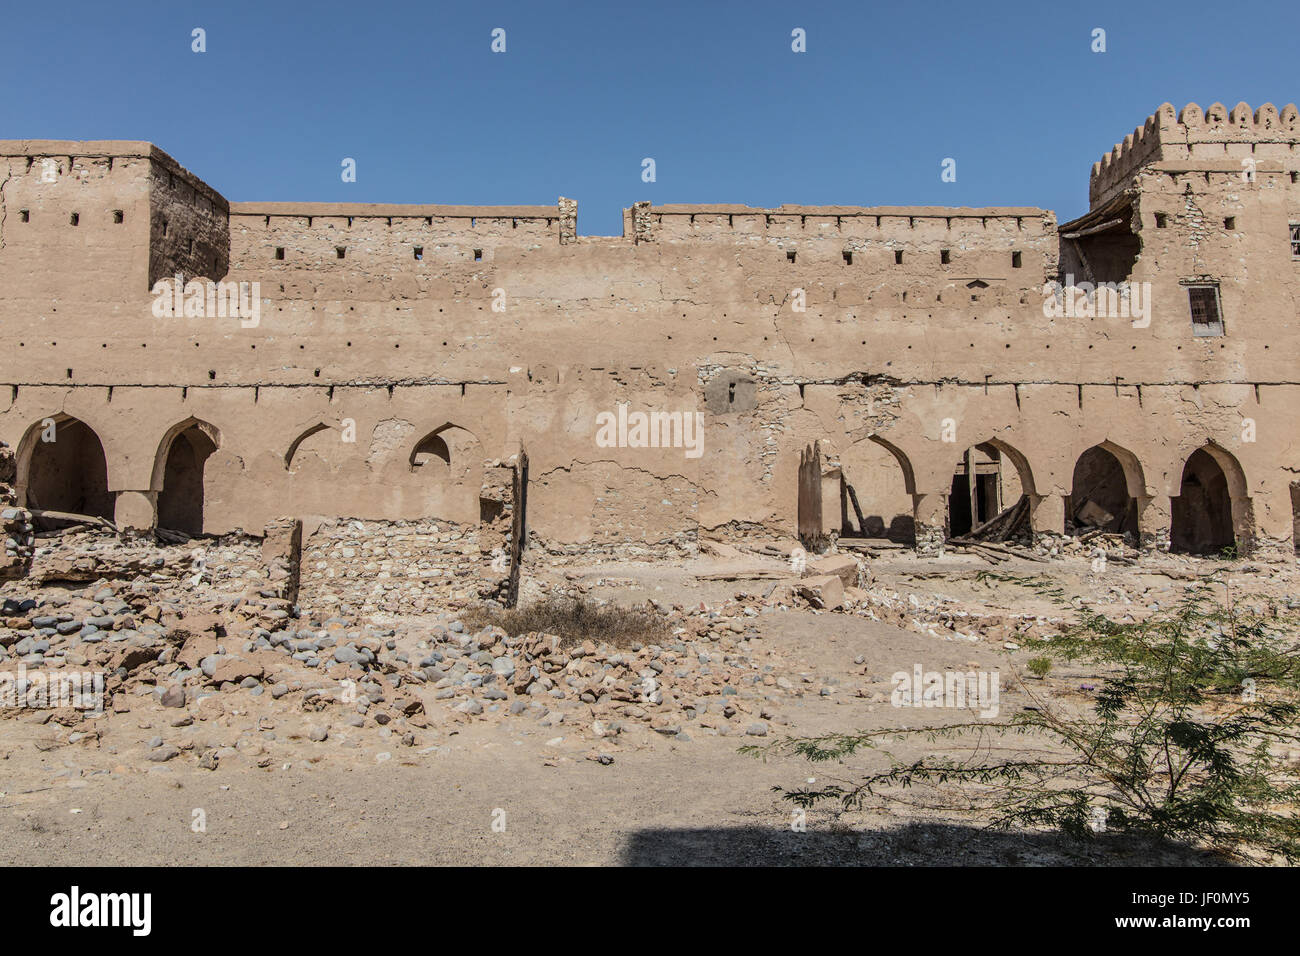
(1189, 738)
(1040, 667)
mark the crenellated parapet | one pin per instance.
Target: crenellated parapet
(1193, 134)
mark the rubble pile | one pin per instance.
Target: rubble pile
(160, 646)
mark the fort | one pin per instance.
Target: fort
(441, 370)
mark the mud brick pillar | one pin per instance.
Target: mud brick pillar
(1155, 518)
(282, 557)
(137, 510)
(930, 518)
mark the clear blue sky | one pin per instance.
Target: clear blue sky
(586, 90)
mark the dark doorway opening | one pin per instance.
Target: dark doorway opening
(68, 471)
(180, 504)
(1202, 512)
(976, 493)
(1099, 497)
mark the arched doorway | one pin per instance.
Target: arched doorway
(65, 468)
(989, 478)
(449, 460)
(877, 492)
(1099, 494)
(183, 457)
(1202, 511)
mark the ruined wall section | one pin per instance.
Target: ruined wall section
(15, 523)
(189, 224)
(362, 567)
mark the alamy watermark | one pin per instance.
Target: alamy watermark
(1098, 300)
(81, 690)
(626, 429)
(205, 299)
(979, 690)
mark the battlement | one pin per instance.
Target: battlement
(356, 210)
(1193, 134)
(643, 222)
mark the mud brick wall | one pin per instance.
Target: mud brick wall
(400, 347)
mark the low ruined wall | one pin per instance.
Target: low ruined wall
(15, 523)
(351, 566)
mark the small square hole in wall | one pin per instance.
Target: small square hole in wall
(25, 215)
(1015, 260)
(945, 256)
(76, 219)
(340, 251)
(118, 217)
(478, 255)
(1162, 220)
(898, 258)
(279, 252)
(789, 256)
(1295, 177)
(1230, 222)
(419, 253)
(848, 257)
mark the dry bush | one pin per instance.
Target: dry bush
(575, 621)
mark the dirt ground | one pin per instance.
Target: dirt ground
(525, 791)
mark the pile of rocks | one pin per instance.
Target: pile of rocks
(704, 676)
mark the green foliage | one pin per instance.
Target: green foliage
(1040, 667)
(1190, 737)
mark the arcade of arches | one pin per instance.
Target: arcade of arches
(877, 499)
(64, 469)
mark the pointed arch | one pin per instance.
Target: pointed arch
(61, 466)
(909, 479)
(178, 474)
(450, 443)
(1110, 477)
(297, 442)
(212, 433)
(877, 491)
(982, 487)
(1211, 511)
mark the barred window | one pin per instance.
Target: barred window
(1207, 317)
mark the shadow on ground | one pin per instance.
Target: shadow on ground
(909, 845)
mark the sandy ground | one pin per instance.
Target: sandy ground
(518, 792)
